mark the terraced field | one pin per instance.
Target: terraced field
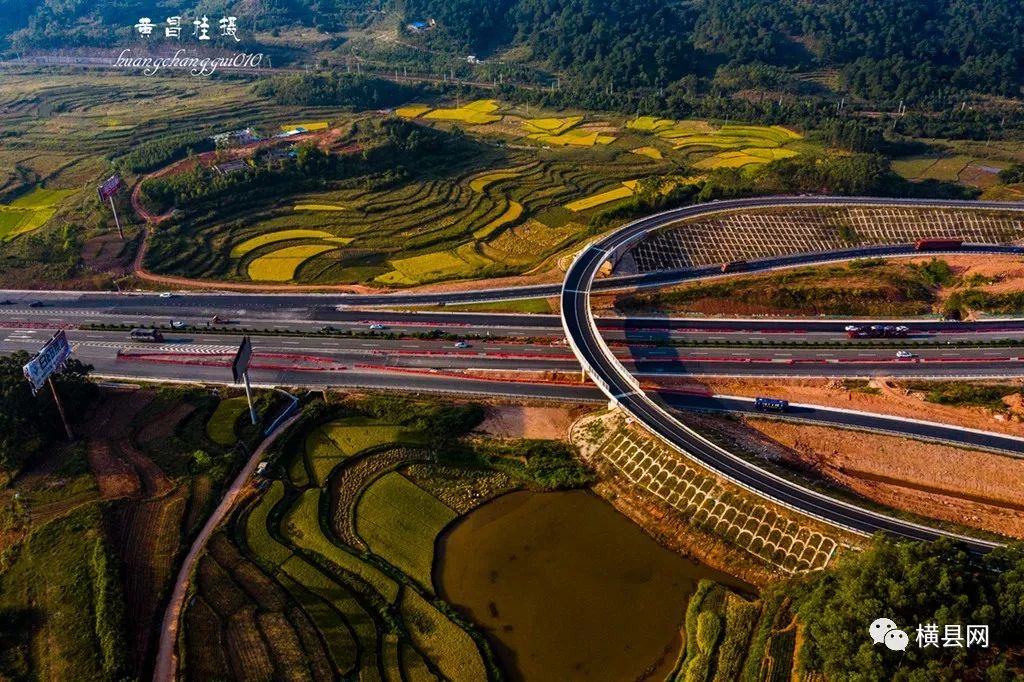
(289, 593)
(730, 146)
(497, 212)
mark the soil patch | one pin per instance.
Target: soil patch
(961, 486)
(521, 421)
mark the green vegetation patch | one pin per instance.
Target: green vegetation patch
(444, 642)
(221, 426)
(399, 522)
(857, 289)
(257, 533)
(353, 435)
(61, 602)
(965, 394)
(301, 525)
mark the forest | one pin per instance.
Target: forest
(925, 52)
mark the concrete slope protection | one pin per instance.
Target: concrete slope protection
(624, 390)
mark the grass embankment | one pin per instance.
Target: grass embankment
(863, 288)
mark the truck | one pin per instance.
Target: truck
(771, 405)
(877, 331)
(146, 335)
(936, 244)
(734, 265)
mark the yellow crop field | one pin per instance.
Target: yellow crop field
(481, 182)
(511, 214)
(551, 126)
(474, 113)
(320, 207)
(649, 152)
(523, 242)
(728, 160)
(284, 235)
(412, 110)
(280, 265)
(770, 154)
(575, 138)
(463, 261)
(30, 212)
(310, 126)
(585, 203)
(650, 123)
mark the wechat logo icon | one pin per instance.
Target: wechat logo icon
(884, 631)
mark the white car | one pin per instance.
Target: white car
(904, 354)
(166, 294)
(377, 327)
(851, 328)
(178, 324)
(461, 344)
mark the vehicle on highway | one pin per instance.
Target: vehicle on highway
(735, 265)
(877, 331)
(166, 294)
(771, 405)
(904, 354)
(937, 244)
(461, 344)
(36, 304)
(377, 326)
(7, 301)
(146, 335)
(217, 319)
(178, 324)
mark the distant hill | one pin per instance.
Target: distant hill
(927, 52)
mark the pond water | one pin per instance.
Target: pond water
(567, 588)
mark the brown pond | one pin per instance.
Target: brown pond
(567, 588)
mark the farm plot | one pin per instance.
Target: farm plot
(280, 265)
(257, 533)
(30, 212)
(254, 243)
(551, 126)
(301, 526)
(444, 642)
(311, 127)
(353, 435)
(730, 146)
(399, 522)
(475, 113)
(221, 427)
(768, 533)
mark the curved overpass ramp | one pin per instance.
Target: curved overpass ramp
(624, 390)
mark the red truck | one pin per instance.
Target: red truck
(937, 244)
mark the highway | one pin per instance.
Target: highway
(208, 363)
(29, 317)
(106, 350)
(624, 390)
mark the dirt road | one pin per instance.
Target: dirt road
(167, 656)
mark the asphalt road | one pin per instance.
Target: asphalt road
(622, 388)
(105, 349)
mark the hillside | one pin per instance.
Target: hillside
(926, 52)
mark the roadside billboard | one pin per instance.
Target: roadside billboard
(110, 187)
(47, 361)
(240, 365)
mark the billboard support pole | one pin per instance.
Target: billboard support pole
(248, 396)
(117, 221)
(60, 408)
